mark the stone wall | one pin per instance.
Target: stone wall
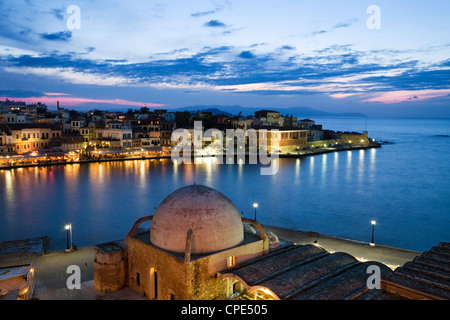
(197, 279)
(110, 268)
(170, 271)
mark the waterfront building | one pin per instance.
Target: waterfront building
(290, 121)
(244, 123)
(21, 107)
(27, 137)
(72, 142)
(315, 132)
(115, 135)
(147, 138)
(283, 140)
(88, 134)
(306, 124)
(166, 129)
(270, 117)
(9, 105)
(73, 125)
(355, 138)
(11, 117)
(6, 144)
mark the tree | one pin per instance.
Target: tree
(73, 114)
(182, 119)
(144, 110)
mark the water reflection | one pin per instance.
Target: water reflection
(335, 167)
(9, 189)
(240, 163)
(143, 169)
(311, 165)
(361, 166)
(324, 169)
(373, 155)
(297, 171)
(349, 165)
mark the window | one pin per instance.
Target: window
(138, 279)
(231, 261)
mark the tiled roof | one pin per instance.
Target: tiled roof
(425, 277)
(308, 272)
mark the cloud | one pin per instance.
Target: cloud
(287, 47)
(20, 93)
(203, 13)
(215, 24)
(246, 55)
(58, 36)
(336, 26)
(345, 24)
(338, 71)
(58, 13)
(407, 95)
(315, 33)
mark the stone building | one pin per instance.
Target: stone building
(195, 233)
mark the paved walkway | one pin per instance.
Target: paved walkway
(51, 276)
(361, 250)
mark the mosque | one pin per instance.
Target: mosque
(199, 247)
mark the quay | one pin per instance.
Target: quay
(50, 280)
(363, 251)
(301, 153)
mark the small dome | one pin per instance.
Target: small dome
(214, 219)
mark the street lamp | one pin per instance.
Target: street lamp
(255, 205)
(68, 228)
(372, 243)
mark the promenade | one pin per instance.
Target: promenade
(363, 251)
(51, 268)
(12, 163)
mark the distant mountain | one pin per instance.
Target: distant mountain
(301, 112)
(215, 110)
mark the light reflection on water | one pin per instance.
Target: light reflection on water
(337, 194)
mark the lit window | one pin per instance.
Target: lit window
(231, 261)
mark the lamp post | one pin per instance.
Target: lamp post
(255, 205)
(68, 228)
(372, 243)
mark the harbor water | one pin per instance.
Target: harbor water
(403, 186)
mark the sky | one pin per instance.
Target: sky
(380, 58)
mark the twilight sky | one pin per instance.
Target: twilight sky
(321, 54)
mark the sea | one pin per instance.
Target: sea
(404, 186)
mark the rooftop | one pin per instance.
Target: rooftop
(425, 277)
(308, 272)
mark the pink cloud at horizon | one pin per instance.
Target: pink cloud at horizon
(65, 101)
(407, 95)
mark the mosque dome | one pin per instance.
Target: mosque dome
(213, 218)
